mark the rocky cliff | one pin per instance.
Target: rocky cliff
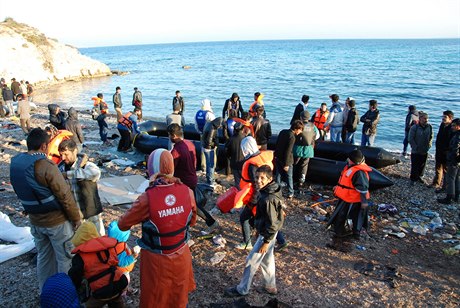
(27, 54)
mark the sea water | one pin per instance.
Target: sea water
(397, 73)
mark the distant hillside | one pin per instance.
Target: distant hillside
(27, 54)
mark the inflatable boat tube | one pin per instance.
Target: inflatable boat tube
(320, 170)
(375, 157)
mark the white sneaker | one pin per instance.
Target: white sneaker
(244, 246)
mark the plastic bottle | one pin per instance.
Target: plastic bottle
(419, 230)
(436, 223)
(359, 247)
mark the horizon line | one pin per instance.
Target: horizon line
(267, 40)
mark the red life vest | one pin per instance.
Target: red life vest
(345, 189)
(320, 119)
(125, 121)
(170, 215)
(100, 260)
(246, 189)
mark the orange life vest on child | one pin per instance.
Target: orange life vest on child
(53, 146)
(345, 189)
(100, 260)
(320, 119)
(170, 215)
(246, 189)
(126, 121)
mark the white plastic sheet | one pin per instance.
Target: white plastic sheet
(10, 233)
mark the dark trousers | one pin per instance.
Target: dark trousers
(405, 141)
(237, 177)
(125, 140)
(417, 167)
(453, 180)
(103, 127)
(347, 213)
(300, 169)
(202, 212)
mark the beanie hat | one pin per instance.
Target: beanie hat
(59, 291)
(206, 104)
(114, 231)
(87, 231)
(160, 161)
(356, 156)
(249, 146)
(305, 116)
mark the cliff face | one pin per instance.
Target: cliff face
(27, 54)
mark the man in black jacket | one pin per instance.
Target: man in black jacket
(209, 144)
(370, 119)
(442, 148)
(234, 153)
(351, 122)
(284, 158)
(268, 221)
(262, 128)
(178, 100)
(411, 119)
(301, 107)
(453, 166)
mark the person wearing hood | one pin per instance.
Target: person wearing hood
(82, 177)
(202, 116)
(166, 211)
(73, 125)
(301, 107)
(268, 221)
(209, 144)
(335, 119)
(57, 117)
(95, 265)
(352, 192)
(233, 103)
(411, 119)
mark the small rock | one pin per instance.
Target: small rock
(446, 236)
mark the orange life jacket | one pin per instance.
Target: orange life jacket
(246, 124)
(345, 189)
(170, 214)
(126, 121)
(251, 110)
(53, 146)
(247, 190)
(103, 107)
(100, 260)
(320, 119)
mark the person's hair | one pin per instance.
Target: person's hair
(352, 103)
(324, 104)
(256, 95)
(100, 95)
(117, 88)
(234, 95)
(136, 109)
(448, 113)
(422, 114)
(27, 82)
(245, 116)
(266, 170)
(412, 107)
(305, 98)
(20, 96)
(177, 91)
(135, 88)
(68, 144)
(456, 122)
(334, 97)
(297, 124)
(373, 103)
(260, 110)
(232, 113)
(175, 129)
(36, 138)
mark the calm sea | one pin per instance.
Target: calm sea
(396, 73)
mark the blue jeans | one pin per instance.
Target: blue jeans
(350, 138)
(336, 134)
(367, 140)
(284, 176)
(103, 128)
(51, 245)
(255, 260)
(210, 157)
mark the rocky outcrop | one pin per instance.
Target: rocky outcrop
(27, 54)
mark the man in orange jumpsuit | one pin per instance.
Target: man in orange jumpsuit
(166, 209)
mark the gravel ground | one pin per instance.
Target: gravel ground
(412, 271)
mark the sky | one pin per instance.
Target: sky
(96, 23)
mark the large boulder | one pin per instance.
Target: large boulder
(27, 54)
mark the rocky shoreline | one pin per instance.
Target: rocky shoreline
(392, 266)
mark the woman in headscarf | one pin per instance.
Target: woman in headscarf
(166, 210)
